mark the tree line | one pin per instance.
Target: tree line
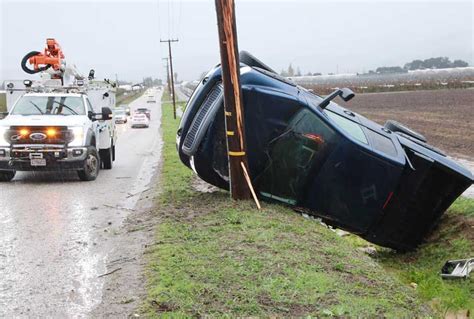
(431, 63)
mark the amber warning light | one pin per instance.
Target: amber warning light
(24, 132)
(51, 132)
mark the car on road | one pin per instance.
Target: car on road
(151, 99)
(126, 108)
(139, 120)
(56, 132)
(121, 116)
(145, 111)
(384, 183)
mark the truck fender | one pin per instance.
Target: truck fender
(91, 138)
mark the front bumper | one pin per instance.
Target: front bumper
(57, 157)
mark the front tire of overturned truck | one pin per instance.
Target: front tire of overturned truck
(91, 166)
(7, 176)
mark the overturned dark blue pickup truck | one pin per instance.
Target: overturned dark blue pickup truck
(384, 183)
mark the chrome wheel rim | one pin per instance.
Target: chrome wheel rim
(91, 164)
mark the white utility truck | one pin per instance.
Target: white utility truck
(61, 122)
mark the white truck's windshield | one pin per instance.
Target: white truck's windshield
(49, 105)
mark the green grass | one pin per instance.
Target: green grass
(453, 238)
(3, 102)
(463, 206)
(175, 178)
(220, 258)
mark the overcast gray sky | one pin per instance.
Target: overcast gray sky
(319, 36)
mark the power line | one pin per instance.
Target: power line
(172, 18)
(179, 18)
(169, 19)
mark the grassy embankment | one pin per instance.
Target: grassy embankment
(3, 102)
(453, 238)
(217, 257)
(121, 98)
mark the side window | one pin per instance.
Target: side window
(295, 157)
(351, 128)
(306, 122)
(381, 143)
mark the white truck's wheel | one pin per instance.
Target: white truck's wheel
(6, 176)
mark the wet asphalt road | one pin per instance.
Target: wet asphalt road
(56, 232)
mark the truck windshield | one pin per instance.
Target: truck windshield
(49, 105)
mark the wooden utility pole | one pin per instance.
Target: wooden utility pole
(168, 74)
(240, 188)
(171, 73)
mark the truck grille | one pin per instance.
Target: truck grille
(202, 121)
(50, 152)
(20, 135)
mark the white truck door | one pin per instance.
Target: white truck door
(95, 124)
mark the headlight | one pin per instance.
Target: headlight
(77, 136)
(3, 141)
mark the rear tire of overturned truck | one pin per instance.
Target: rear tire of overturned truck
(7, 176)
(91, 166)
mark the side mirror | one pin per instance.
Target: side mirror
(345, 93)
(106, 113)
(92, 116)
(3, 115)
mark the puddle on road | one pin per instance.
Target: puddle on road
(145, 175)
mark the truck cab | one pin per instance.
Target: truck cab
(57, 131)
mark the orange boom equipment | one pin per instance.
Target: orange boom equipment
(51, 58)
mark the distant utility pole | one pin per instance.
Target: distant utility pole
(116, 80)
(240, 184)
(171, 73)
(168, 74)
